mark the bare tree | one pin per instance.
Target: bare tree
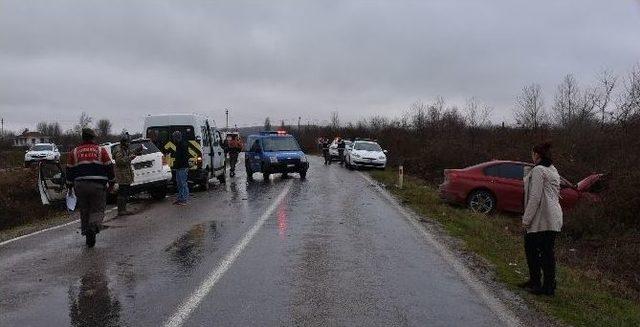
(282, 125)
(52, 130)
(607, 83)
(334, 120)
(418, 112)
(378, 123)
(477, 115)
(566, 101)
(84, 121)
(435, 111)
(104, 128)
(530, 111)
(55, 131)
(42, 127)
(267, 124)
(628, 105)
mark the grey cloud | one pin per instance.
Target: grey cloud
(125, 59)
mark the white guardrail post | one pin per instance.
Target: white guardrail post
(400, 176)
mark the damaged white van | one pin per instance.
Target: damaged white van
(207, 158)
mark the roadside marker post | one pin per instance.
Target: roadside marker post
(400, 176)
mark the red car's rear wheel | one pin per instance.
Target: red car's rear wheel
(481, 201)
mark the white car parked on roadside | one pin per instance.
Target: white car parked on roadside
(41, 151)
(366, 154)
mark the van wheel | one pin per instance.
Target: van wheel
(303, 174)
(265, 175)
(222, 178)
(205, 182)
(248, 170)
(481, 201)
(158, 193)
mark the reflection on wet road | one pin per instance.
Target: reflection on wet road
(331, 252)
(91, 303)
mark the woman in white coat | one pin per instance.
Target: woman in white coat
(542, 221)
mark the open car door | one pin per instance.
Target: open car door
(51, 182)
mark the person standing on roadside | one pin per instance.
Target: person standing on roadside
(341, 147)
(325, 150)
(89, 170)
(124, 173)
(235, 146)
(181, 168)
(542, 221)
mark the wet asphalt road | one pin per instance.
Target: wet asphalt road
(332, 252)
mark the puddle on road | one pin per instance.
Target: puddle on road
(187, 251)
(91, 302)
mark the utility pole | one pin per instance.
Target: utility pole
(299, 124)
(226, 112)
(2, 128)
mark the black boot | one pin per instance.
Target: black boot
(528, 285)
(91, 238)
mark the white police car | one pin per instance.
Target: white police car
(365, 153)
(40, 152)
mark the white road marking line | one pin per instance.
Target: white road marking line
(187, 307)
(39, 232)
(494, 304)
(48, 229)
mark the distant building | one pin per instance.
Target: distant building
(27, 139)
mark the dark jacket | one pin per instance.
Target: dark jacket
(181, 159)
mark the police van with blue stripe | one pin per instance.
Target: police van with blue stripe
(206, 155)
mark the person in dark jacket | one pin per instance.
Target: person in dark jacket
(234, 146)
(326, 143)
(89, 171)
(341, 147)
(181, 168)
(124, 173)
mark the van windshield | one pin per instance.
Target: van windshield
(280, 143)
(160, 135)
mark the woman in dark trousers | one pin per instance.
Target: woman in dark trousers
(542, 221)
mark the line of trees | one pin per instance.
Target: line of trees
(70, 137)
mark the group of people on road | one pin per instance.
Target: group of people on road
(325, 144)
(91, 175)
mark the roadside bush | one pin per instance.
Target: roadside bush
(19, 198)
(11, 158)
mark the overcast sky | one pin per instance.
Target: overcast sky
(284, 59)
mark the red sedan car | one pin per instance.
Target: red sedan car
(498, 185)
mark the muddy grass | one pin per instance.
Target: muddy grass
(584, 297)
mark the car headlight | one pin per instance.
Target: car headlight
(303, 159)
(355, 155)
(382, 157)
(273, 159)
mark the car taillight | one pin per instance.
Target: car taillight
(164, 161)
(199, 162)
(449, 175)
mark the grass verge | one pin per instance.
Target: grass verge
(35, 225)
(580, 300)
